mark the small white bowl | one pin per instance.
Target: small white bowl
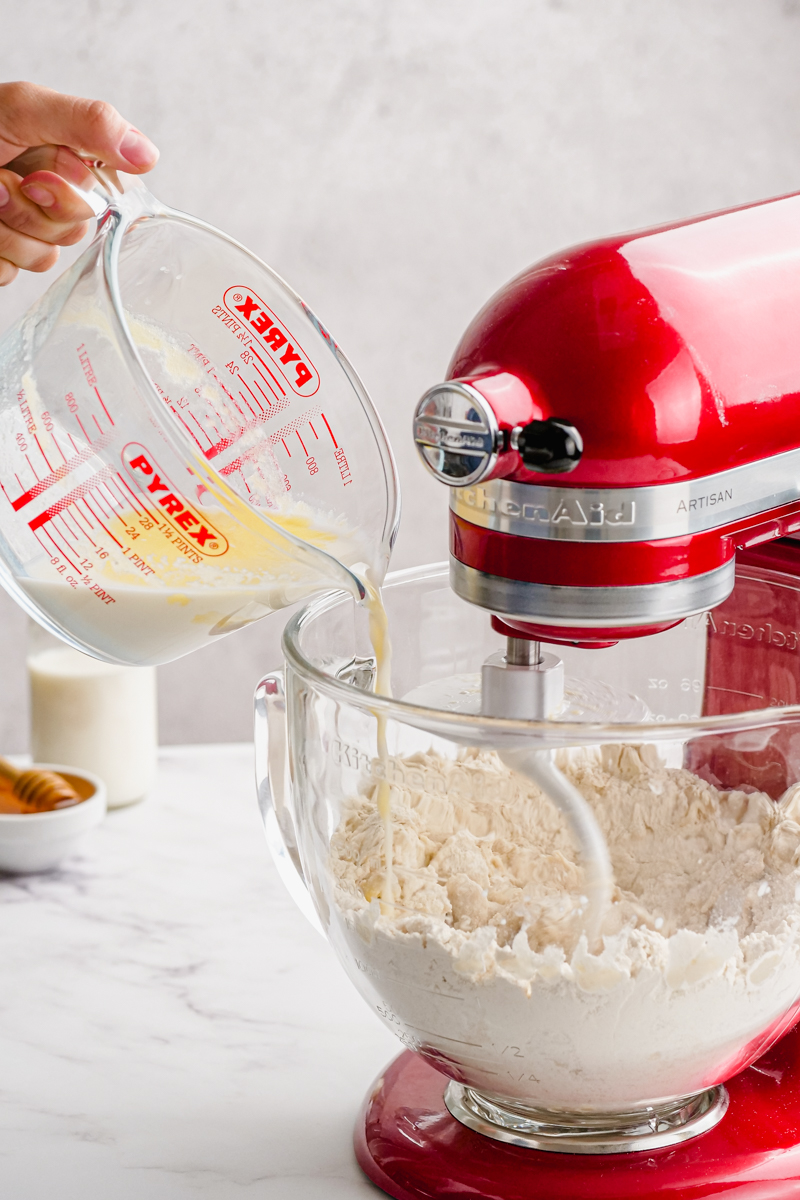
(39, 841)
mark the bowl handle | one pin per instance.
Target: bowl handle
(274, 784)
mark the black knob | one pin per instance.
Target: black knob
(553, 446)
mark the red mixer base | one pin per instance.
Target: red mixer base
(409, 1145)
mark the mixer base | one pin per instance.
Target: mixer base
(407, 1142)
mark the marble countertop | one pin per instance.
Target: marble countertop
(171, 1026)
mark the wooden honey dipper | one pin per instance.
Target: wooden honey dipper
(38, 790)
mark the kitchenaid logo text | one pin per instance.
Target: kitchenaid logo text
(566, 511)
(284, 354)
(766, 633)
(708, 501)
(184, 519)
(460, 783)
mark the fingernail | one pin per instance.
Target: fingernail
(38, 195)
(4, 196)
(139, 150)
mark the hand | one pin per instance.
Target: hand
(41, 134)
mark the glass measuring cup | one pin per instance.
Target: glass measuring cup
(545, 1039)
(183, 446)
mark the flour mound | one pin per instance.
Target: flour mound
(484, 947)
(479, 847)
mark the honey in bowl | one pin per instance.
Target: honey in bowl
(11, 804)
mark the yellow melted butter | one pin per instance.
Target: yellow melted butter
(256, 552)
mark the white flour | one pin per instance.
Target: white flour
(482, 963)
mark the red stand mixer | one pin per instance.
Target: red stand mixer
(620, 430)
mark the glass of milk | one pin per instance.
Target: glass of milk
(97, 716)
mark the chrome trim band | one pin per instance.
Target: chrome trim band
(587, 1133)
(593, 607)
(633, 514)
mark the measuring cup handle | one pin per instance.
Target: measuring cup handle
(274, 785)
(114, 192)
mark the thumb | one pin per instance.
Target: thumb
(37, 116)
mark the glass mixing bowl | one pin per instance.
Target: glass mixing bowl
(474, 950)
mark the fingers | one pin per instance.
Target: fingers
(42, 206)
(59, 159)
(28, 236)
(36, 116)
(18, 250)
(49, 209)
(41, 134)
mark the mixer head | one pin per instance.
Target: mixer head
(618, 421)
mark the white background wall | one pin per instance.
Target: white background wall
(398, 160)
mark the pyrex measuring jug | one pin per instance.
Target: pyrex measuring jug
(183, 446)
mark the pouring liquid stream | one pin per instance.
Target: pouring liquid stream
(382, 649)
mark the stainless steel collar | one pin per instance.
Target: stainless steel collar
(593, 607)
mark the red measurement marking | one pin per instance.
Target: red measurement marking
(225, 442)
(33, 471)
(97, 423)
(79, 519)
(302, 443)
(277, 394)
(330, 431)
(266, 368)
(124, 499)
(83, 431)
(65, 533)
(102, 503)
(313, 430)
(62, 551)
(132, 494)
(77, 493)
(111, 498)
(190, 432)
(105, 410)
(74, 443)
(55, 546)
(246, 402)
(88, 520)
(48, 551)
(71, 524)
(286, 448)
(48, 481)
(239, 410)
(41, 543)
(64, 530)
(58, 448)
(98, 516)
(44, 456)
(200, 427)
(115, 493)
(263, 393)
(252, 393)
(108, 531)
